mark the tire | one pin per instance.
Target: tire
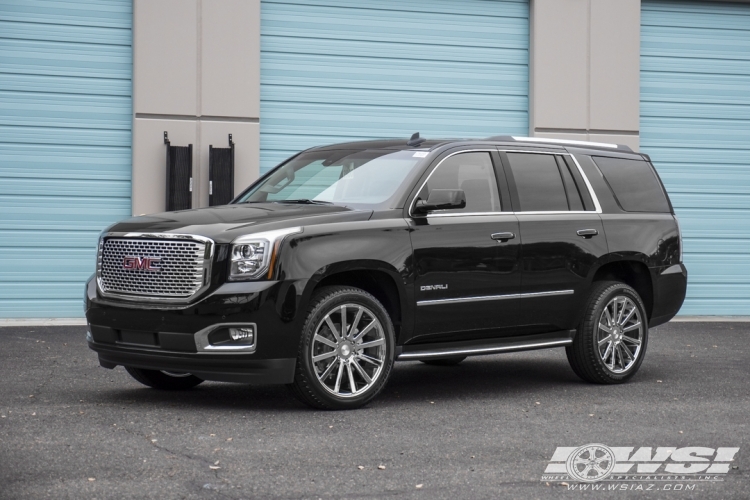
(443, 361)
(600, 354)
(326, 383)
(164, 380)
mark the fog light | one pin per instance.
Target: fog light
(244, 335)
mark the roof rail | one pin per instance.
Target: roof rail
(568, 142)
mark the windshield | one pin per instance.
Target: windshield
(347, 177)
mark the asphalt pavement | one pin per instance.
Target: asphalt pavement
(484, 429)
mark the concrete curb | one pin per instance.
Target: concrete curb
(43, 322)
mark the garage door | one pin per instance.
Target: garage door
(65, 114)
(695, 124)
(341, 70)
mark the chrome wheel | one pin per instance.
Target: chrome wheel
(620, 334)
(348, 350)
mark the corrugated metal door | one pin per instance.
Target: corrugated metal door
(695, 124)
(340, 70)
(65, 119)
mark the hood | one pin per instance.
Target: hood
(225, 223)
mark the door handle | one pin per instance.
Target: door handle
(587, 233)
(503, 236)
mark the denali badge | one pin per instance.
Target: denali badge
(142, 263)
(427, 288)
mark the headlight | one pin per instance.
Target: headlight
(255, 254)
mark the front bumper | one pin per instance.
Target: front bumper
(167, 337)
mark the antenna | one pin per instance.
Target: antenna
(415, 140)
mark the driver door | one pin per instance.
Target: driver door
(466, 260)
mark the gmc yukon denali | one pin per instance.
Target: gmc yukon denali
(346, 258)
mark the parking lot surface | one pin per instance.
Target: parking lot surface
(486, 428)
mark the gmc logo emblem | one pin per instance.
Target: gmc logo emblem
(142, 263)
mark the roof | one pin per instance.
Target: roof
(401, 143)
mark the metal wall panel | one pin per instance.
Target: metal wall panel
(695, 124)
(341, 70)
(65, 162)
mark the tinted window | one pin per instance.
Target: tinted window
(471, 172)
(538, 181)
(574, 196)
(634, 184)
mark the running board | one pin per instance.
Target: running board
(485, 346)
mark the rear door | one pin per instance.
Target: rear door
(466, 260)
(561, 236)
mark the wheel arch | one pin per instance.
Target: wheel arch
(632, 272)
(377, 278)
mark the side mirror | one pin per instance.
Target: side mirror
(441, 199)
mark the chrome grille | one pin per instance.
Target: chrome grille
(183, 267)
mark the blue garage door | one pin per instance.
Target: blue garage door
(65, 115)
(340, 70)
(695, 124)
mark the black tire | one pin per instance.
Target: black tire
(306, 386)
(163, 380)
(443, 361)
(584, 353)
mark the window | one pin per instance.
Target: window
(634, 184)
(539, 182)
(350, 177)
(574, 196)
(474, 174)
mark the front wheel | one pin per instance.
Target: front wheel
(346, 350)
(611, 339)
(165, 380)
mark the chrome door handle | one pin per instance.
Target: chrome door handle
(503, 236)
(587, 233)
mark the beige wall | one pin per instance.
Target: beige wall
(196, 74)
(585, 70)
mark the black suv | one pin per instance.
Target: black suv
(346, 258)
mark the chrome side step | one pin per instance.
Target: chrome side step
(485, 346)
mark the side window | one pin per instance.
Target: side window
(574, 196)
(539, 182)
(634, 184)
(474, 174)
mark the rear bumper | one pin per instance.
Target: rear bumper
(169, 338)
(670, 287)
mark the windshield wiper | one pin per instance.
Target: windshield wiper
(304, 201)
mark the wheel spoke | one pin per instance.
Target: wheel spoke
(626, 351)
(605, 339)
(328, 370)
(344, 329)
(631, 340)
(337, 386)
(361, 371)
(355, 324)
(607, 351)
(631, 327)
(608, 315)
(325, 341)
(325, 355)
(365, 357)
(630, 314)
(605, 328)
(622, 308)
(352, 385)
(367, 345)
(365, 330)
(333, 328)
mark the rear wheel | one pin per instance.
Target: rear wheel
(611, 339)
(444, 361)
(164, 380)
(346, 350)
